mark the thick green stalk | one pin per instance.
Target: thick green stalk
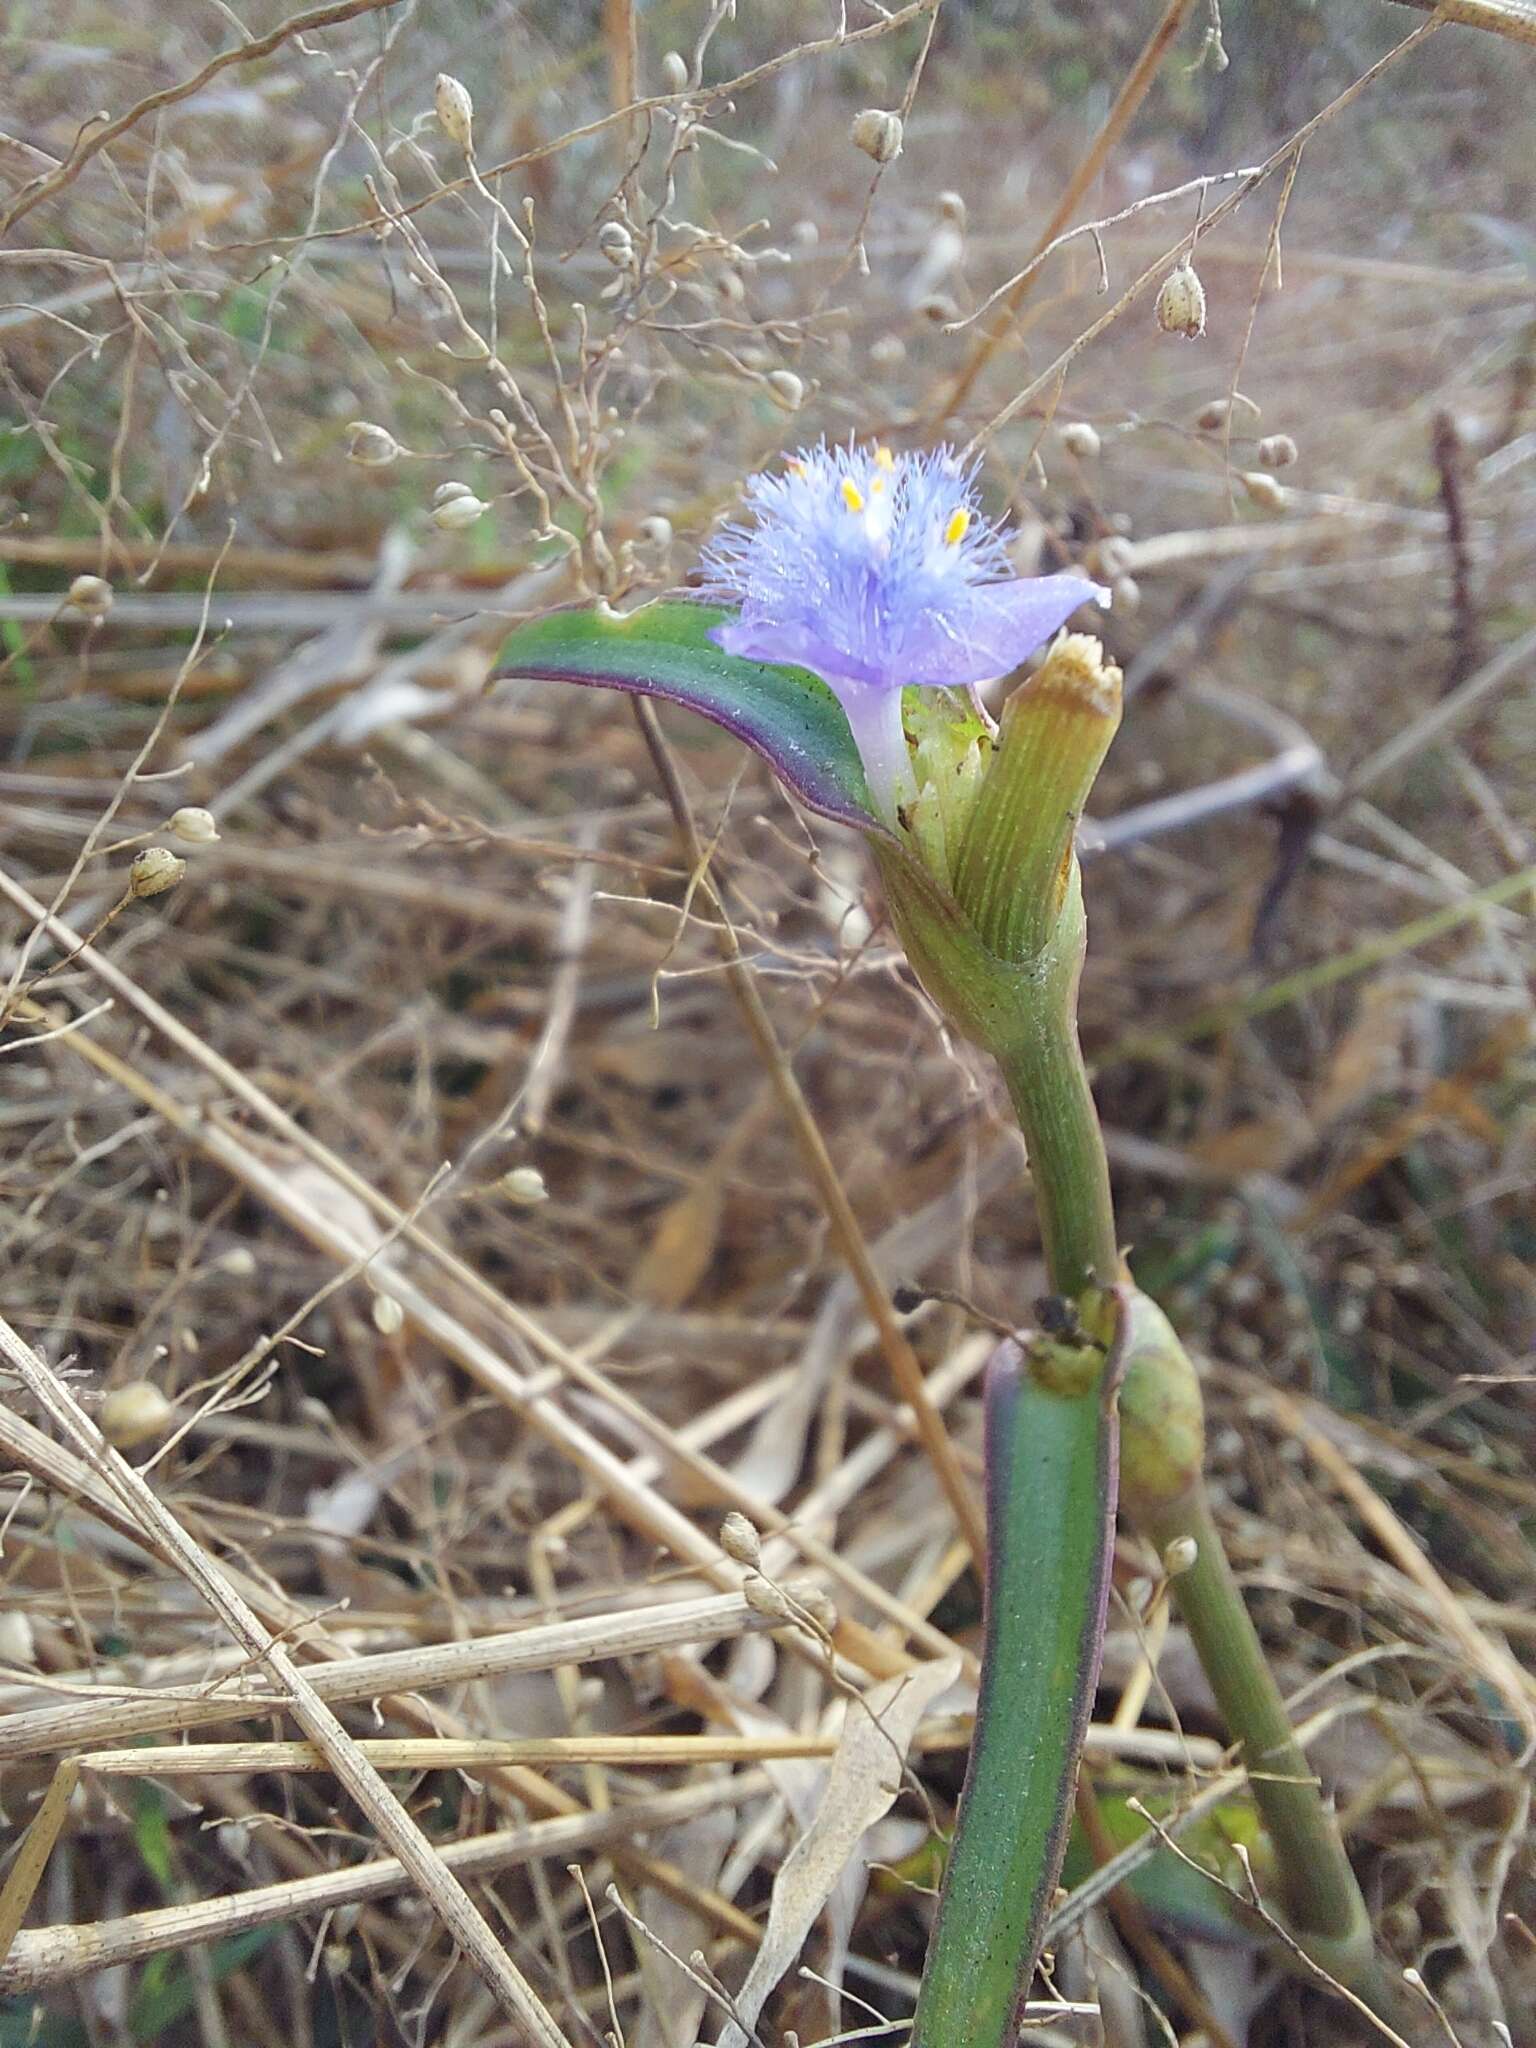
(1050, 1469)
(1321, 1898)
(1001, 954)
(1051, 1453)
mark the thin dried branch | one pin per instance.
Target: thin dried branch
(394, 1826)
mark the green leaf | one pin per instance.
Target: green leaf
(1050, 1530)
(787, 715)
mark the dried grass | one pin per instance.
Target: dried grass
(442, 1485)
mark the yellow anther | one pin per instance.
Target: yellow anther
(853, 497)
(884, 459)
(794, 465)
(958, 527)
(876, 486)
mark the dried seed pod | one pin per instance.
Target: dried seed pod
(17, 1645)
(951, 208)
(1277, 451)
(1125, 592)
(193, 826)
(878, 134)
(461, 510)
(616, 243)
(234, 1839)
(740, 1540)
(133, 1413)
(524, 1187)
(1113, 557)
(388, 1315)
(155, 870)
(1263, 491)
(452, 489)
(786, 389)
(1180, 1555)
(455, 110)
(938, 308)
(1181, 303)
(764, 1597)
(818, 1605)
(91, 596)
(674, 72)
(656, 531)
(1080, 439)
(239, 1262)
(371, 446)
(1211, 418)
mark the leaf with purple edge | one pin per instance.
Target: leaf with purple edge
(1051, 1465)
(663, 650)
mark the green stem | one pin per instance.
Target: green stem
(1048, 1086)
(1052, 1444)
(1321, 1897)
(1050, 1473)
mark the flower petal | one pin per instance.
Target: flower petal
(998, 626)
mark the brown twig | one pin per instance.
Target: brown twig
(1130, 96)
(898, 1353)
(39, 189)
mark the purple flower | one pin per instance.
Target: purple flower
(876, 572)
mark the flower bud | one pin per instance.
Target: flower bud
(455, 110)
(1263, 491)
(1179, 1556)
(388, 1315)
(524, 1187)
(133, 1413)
(454, 513)
(740, 1540)
(878, 134)
(786, 389)
(1080, 439)
(155, 870)
(1162, 1416)
(193, 826)
(1277, 451)
(1181, 303)
(616, 243)
(1015, 863)
(370, 446)
(91, 596)
(674, 72)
